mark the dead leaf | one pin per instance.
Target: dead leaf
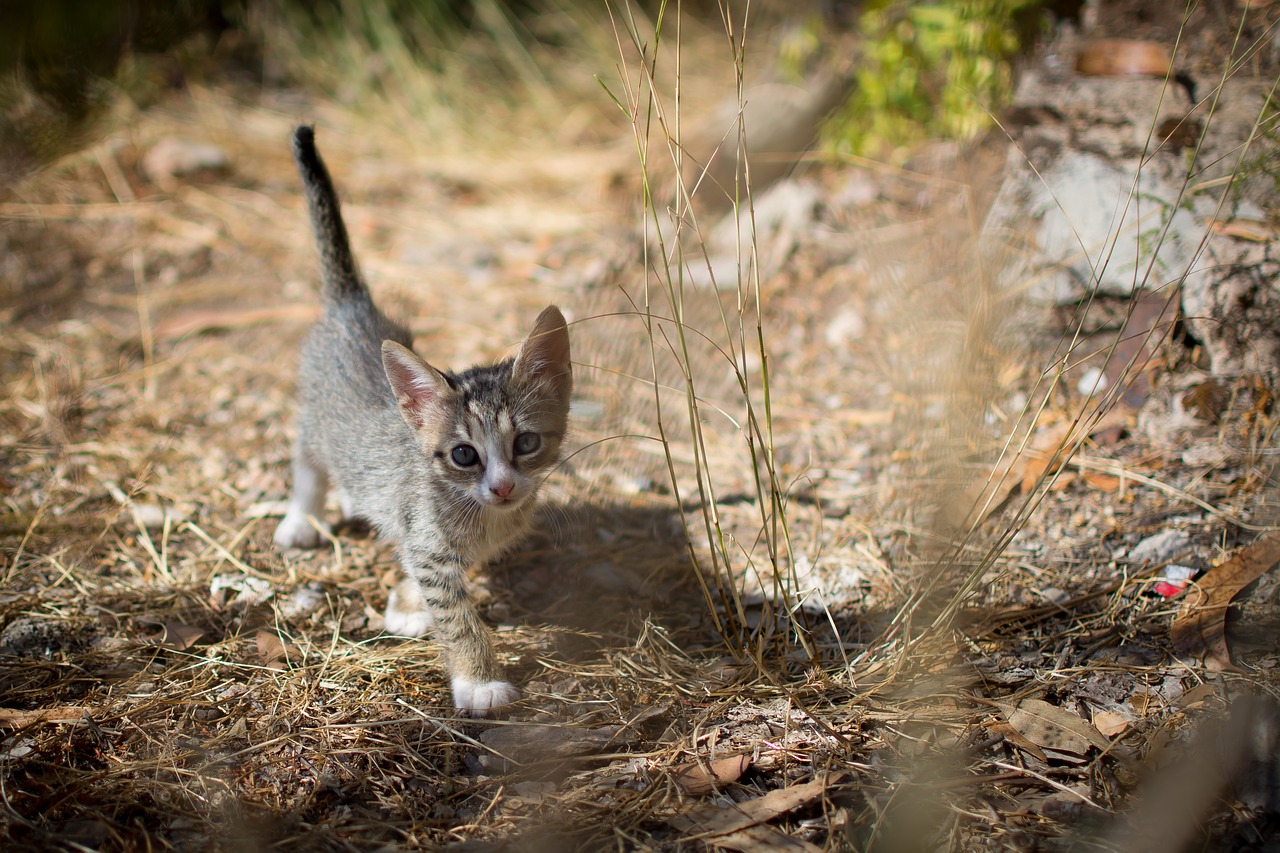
(763, 839)
(1057, 729)
(1109, 723)
(275, 653)
(1123, 57)
(1036, 467)
(177, 637)
(1027, 469)
(1199, 629)
(1102, 482)
(1198, 695)
(713, 820)
(1136, 346)
(1011, 735)
(703, 777)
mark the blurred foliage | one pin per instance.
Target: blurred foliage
(928, 70)
(443, 64)
(62, 62)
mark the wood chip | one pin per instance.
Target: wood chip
(1199, 631)
(15, 718)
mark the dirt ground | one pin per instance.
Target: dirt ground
(169, 680)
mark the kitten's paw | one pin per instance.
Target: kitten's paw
(405, 616)
(297, 531)
(478, 698)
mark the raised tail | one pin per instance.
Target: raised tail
(340, 279)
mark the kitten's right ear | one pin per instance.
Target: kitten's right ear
(418, 386)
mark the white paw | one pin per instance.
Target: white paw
(297, 531)
(403, 619)
(477, 698)
(348, 506)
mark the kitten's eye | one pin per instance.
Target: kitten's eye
(528, 442)
(464, 456)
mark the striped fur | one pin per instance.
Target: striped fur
(447, 464)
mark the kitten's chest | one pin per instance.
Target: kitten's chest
(478, 534)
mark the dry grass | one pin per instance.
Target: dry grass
(170, 681)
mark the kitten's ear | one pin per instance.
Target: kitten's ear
(544, 356)
(418, 386)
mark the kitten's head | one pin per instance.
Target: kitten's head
(489, 431)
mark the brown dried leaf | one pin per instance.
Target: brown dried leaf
(275, 653)
(1109, 723)
(1123, 57)
(763, 839)
(1054, 728)
(704, 777)
(712, 820)
(1011, 735)
(1136, 346)
(1102, 482)
(1199, 629)
(1025, 470)
(178, 637)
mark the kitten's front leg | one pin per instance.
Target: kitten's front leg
(445, 606)
(310, 486)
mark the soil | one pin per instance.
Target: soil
(892, 648)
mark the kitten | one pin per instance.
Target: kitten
(445, 463)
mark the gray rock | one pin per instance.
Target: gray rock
(1112, 207)
(1160, 548)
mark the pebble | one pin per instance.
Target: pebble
(172, 158)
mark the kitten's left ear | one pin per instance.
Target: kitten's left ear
(544, 356)
(417, 385)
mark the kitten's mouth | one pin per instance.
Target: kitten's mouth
(509, 502)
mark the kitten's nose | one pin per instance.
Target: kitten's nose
(501, 489)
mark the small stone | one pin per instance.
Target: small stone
(304, 600)
(172, 158)
(1160, 548)
(610, 577)
(847, 326)
(1094, 381)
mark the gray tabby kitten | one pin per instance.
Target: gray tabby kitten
(445, 463)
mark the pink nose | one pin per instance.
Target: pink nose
(501, 489)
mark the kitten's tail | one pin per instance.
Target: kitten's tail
(340, 279)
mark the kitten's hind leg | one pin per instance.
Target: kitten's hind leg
(310, 486)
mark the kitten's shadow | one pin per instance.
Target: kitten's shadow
(594, 574)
